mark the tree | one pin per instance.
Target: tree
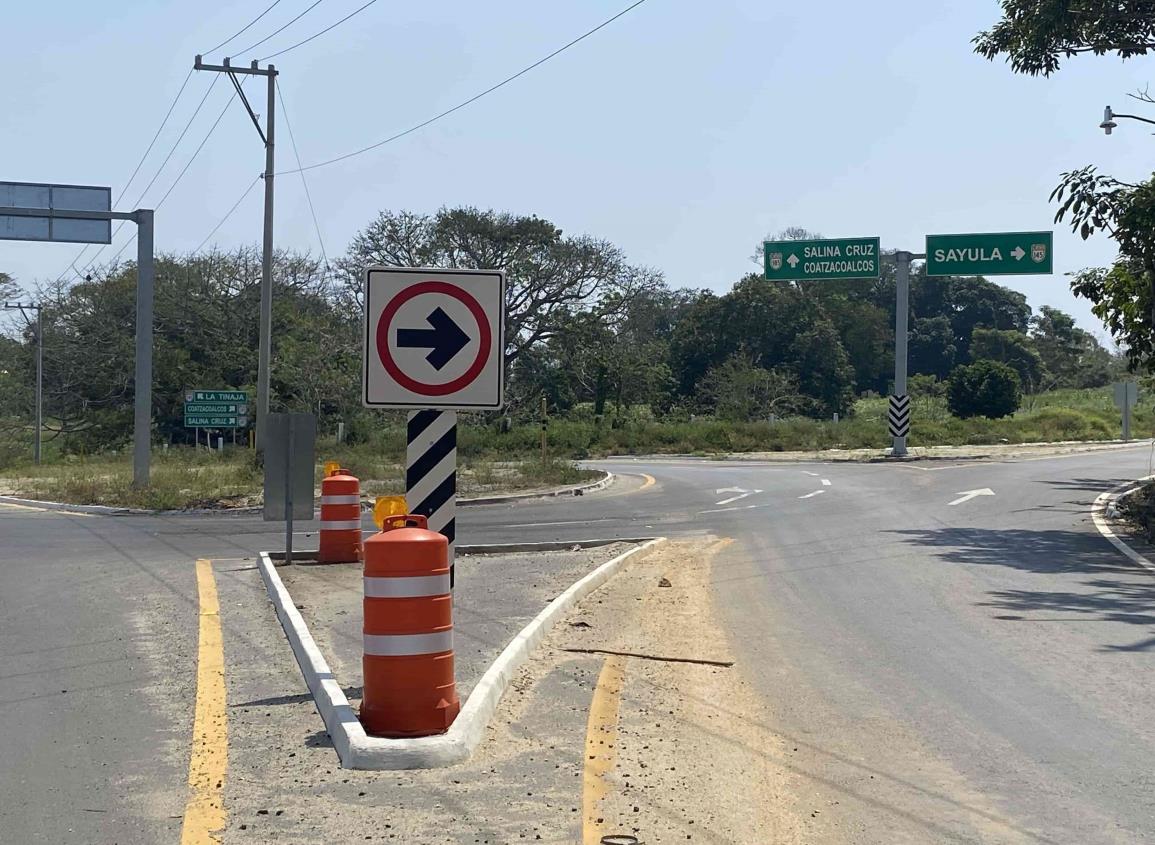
(931, 347)
(740, 390)
(1013, 349)
(549, 276)
(1035, 34)
(984, 388)
(1072, 356)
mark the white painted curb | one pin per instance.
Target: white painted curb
(574, 490)
(358, 750)
(1099, 516)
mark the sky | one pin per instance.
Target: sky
(684, 132)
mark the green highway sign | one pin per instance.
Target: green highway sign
(216, 396)
(990, 254)
(217, 408)
(837, 258)
(214, 421)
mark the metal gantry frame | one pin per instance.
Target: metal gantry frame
(145, 287)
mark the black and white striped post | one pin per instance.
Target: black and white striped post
(431, 471)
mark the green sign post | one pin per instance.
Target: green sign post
(838, 258)
(216, 409)
(990, 254)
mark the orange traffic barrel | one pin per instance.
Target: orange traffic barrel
(408, 652)
(340, 518)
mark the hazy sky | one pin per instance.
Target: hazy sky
(684, 132)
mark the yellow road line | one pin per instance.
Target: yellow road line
(649, 481)
(204, 815)
(601, 746)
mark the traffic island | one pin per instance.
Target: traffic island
(503, 606)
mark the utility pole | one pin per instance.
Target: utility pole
(266, 319)
(901, 315)
(39, 309)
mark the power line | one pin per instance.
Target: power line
(318, 34)
(139, 164)
(472, 99)
(184, 170)
(228, 214)
(243, 28)
(304, 183)
(279, 31)
(155, 176)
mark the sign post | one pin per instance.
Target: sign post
(1126, 397)
(435, 345)
(290, 455)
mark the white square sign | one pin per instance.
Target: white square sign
(434, 339)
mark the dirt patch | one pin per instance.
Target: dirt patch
(687, 764)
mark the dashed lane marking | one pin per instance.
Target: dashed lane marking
(204, 815)
(812, 495)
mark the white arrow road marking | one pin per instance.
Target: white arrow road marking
(742, 494)
(1018, 252)
(967, 495)
(826, 482)
(811, 495)
(721, 490)
(726, 510)
(792, 261)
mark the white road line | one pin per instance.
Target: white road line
(737, 508)
(812, 495)
(1098, 515)
(569, 522)
(742, 494)
(826, 482)
(811, 474)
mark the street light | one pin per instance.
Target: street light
(19, 306)
(1109, 119)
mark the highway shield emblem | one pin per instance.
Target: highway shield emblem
(775, 261)
(1038, 253)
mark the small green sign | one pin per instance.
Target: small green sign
(990, 254)
(838, 258)
(216, 396)
(210, 421)
(201, 408)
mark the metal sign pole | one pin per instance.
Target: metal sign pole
(290, 434)
(39, 382)
(901, 314)
(145, 282)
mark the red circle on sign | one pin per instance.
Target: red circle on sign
(412, 384)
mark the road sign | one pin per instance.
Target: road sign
(434, 339)
(898, 416)
(839, 258)
(1126, 394)
(991, 254)
(198, 408)
(26, 198)
(216, 396)
(215, 421)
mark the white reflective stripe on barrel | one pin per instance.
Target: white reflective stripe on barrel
(405, 645)
(350, 499)
(341, 525)
(407, 588)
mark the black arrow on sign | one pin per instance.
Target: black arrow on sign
(443, 341)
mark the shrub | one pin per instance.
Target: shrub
(983, 389)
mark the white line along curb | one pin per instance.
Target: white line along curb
(1099, 516)
(358, 750)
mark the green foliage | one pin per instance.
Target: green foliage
(1035, 34)
(984, 388)
(739, 390)
(1013, 349)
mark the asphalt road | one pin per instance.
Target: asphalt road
(969, 672)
